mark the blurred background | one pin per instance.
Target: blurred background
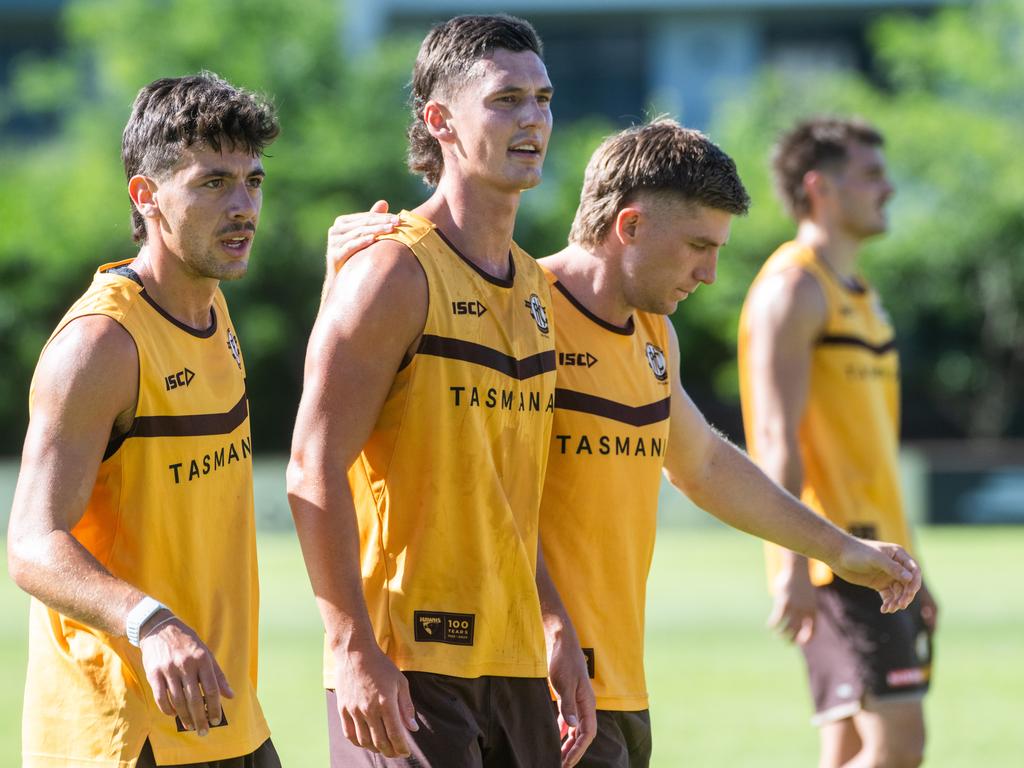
(944, 81)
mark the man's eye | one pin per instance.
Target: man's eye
(214, 183)
(256, 181)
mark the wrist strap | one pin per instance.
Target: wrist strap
(139, 615)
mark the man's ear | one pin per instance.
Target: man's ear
(142, 190)
(438, 121)
(625, 226)
(817, 185)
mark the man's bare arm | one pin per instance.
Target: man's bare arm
(722, 480)
(85, 384)
(567, 670)
(370, 322)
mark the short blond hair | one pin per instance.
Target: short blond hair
(660, 156)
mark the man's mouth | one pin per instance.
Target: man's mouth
(236, 242)
(527, 148)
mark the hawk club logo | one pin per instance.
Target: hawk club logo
(656, 359)
(441, 627)
(537, 312)
(236, 352)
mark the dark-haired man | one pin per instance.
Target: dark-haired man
(819, 377)
(430, 378)
(132, 524)
(656, 207)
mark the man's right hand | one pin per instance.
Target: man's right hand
(374, 703)
(795, 604)
(186, 679)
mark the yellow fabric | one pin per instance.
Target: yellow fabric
(849, 433)
(171, 514)
(599, 509)
(447, 488)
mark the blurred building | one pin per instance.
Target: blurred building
(625, 58)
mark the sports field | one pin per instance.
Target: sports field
(724, 691)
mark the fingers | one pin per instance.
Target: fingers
(567, 709)
(579, 738)
(805, 632)
(160, 694)
(196, 707)
(222, 681)
(211, 693)
(405, 705)
(381, 206)
(391, 739)
(178, 703)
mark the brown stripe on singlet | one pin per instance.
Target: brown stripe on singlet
(856, 341)
(193, 425)
(471, 352)
(636, 416)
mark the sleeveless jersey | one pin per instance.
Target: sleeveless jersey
(849, 432)
(172, 514)
(447, 488)
(600, 502)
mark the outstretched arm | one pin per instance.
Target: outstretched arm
(86, 387)
(369, 323)
(720, 479)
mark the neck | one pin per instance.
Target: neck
(479, 222)
(835, 248)
(590, 275)
(187, 298)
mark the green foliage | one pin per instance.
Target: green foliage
(342, 146)
(951, 270)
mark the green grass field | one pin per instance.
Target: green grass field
(724, 691)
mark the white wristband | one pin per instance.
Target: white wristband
(139, 615)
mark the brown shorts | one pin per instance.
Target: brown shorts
(623, 741)
(264, 757)
(483, 722)
(858, 653)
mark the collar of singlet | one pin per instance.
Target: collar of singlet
(624, 330)
(125, 271)
(504, 283)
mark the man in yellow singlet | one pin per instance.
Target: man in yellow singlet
(656, 207)
(132, 525)
(430, 379)
(819, 376)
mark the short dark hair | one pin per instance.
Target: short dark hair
(814, 144)
(660, 156)
(448, 52)
(174, 113)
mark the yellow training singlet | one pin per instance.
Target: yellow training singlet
(172, 514)
(600, 502)
(849, 433)
(447, 488)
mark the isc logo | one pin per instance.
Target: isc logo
(468, 308)
(180, 379)
(581, 359)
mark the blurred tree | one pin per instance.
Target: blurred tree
(951, 270)
(65, 210)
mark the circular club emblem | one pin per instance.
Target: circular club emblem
(233, 346)
(537, 312)
(656, 359)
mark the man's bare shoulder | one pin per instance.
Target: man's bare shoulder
(91, 363)
(787, 298)
(386, 270)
